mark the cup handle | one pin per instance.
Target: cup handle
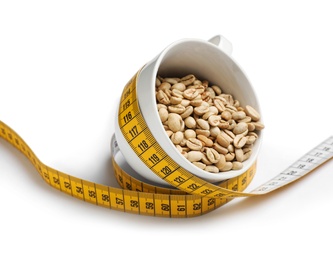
(222, 42)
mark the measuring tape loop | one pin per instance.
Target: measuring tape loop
(190, 196)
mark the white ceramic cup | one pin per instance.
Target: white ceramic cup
(209, 60)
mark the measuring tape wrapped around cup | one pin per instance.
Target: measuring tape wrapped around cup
(179, 192)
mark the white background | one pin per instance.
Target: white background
(63, 65)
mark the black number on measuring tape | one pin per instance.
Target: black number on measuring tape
(282, 178)
(128, 186)
(105, 197)
(196, 206)
(210, 202)
(263, 188)
(179, 179)
(206, 191)
(291, 173)
(310, 160)
(126, 94)
(134, 131)
(127, 104)
(326, 149)
(120, 178)
(92, 194)
(134, 203)
(67, 185)
(56, 180)
(181, 208)
(166, 170)
(154, 159)
(149, 205)
(127, 117)
(143, 146)
(219, 195)
(193, 186)
(119, 201)
(79, 190)
(165, 207)
(301, 166)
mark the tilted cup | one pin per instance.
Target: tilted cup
(209, 60)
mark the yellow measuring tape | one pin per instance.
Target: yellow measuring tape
(191, 196)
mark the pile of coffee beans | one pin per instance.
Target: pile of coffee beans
(208, 127)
